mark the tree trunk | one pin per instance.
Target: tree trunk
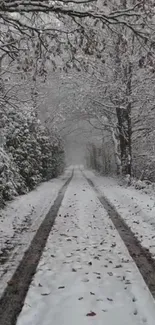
(116, 151)
(124, 124)
(2, 89)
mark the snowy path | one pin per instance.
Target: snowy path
(19, 222)
(86, 275)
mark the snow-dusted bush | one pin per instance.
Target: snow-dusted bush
(29, 154)
(11, 182)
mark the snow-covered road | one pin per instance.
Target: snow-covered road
(86, 275)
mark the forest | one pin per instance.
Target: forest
(76, 70)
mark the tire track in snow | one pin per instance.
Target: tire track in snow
(141, 256)
(12, 300)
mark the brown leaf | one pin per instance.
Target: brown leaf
(96, 258)
(118, 266)
(80, 298)
(98, 273)
(110, 273)
(91, 314)
(109, 299)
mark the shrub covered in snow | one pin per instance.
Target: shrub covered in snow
(29, 154)
(11, 182)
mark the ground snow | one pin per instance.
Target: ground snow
(136, 208)
(19, 222)
(86, 275)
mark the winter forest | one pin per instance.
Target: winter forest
(77, 162)
(77, 85)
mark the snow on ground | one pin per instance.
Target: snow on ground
(20, 220)
(136, 208)
(86, 275)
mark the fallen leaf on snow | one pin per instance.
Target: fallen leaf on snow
(110, 273)
(91, 314)
(39, 285)
(80, 298)
(96, 258)
(109, 299)
(127, 282)
(99, 299)
(118, 266)
(61, 287)
(98, 273)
